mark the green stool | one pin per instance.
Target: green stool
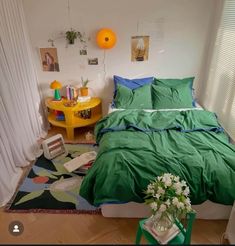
(184, 237)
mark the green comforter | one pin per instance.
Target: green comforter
(136, 146)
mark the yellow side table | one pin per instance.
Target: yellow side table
(72, 115)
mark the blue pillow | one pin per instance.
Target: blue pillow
(130, 83)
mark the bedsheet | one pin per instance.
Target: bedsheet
(137, 146)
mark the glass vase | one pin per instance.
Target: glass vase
(162, 223)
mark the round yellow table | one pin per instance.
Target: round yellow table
(72, 114)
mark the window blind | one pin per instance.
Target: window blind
(220, 89)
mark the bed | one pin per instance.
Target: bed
(139, 143)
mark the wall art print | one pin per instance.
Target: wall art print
(49, 59)
(139, 48)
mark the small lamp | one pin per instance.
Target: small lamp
(106, 38)
(56, 85)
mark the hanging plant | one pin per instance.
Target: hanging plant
(72, 34)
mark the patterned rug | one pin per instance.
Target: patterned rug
(49, 188)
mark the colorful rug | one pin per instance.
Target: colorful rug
(49, 188)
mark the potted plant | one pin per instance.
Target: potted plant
(168, 199)
(84, 88)
(71, 35)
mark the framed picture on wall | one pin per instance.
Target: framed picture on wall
(92, 61)
(83, 52)
(139, 48)
(49, 59)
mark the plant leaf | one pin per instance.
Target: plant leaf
(30, 196)
(64, 197)
(45, 173)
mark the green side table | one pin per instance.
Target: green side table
(184, 237)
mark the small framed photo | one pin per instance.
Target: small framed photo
(83, 52)
(93, 61)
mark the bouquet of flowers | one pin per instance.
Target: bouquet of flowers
(168, 196)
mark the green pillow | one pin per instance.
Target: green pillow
(174, 82)
(172, 93)
(165, 97)
(139, 98)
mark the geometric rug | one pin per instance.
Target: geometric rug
(50, 188)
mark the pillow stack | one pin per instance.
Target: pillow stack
(153, 93)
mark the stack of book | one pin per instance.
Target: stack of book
(161, 237)
(85, 114)
(71, 92)
(84, 98)
(83, 170)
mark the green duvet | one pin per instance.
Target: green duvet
(136, 146)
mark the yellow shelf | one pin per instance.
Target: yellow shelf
(59, 105)
(78, 122)
(71, 120)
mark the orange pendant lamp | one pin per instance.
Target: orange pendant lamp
(106, 38)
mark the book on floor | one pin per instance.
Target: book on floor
(83, 170)
(161, 237)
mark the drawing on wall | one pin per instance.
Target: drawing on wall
(93, 61)
(139, 48)
(49, 59)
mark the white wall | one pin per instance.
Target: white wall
(178, 32)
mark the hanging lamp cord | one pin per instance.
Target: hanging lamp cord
(104, 58)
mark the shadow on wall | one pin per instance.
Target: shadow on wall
(107, 94)
(224, 96)
(45, 91)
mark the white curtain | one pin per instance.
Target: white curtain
(20, 118)
(218, 94)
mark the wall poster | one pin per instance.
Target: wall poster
(139, 48)
(49, 59)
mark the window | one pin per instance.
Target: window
(220, 88)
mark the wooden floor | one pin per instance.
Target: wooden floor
(90, 229)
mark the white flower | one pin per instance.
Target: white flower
(177, 185)
(160, 190)
(175, 201)
(178, 191)
(153, 205)
(167, 179)
(180, 205)
(188, 208)
(150, 191)
(168, 203)
(162, 208)
(176, 178)
(178, 188)
(156, 196)
(187, 201)
(166, 175)
(186, 191)
(169, 195)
